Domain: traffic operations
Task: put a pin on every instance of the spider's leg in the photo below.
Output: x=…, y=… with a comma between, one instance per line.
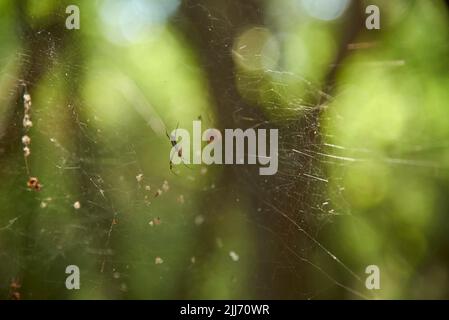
x=171, y=164
x=186, y=165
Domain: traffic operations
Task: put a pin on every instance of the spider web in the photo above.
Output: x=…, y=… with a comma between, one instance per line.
x=135, y=228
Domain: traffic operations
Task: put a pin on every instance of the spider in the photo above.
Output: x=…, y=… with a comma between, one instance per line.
x=172, y=140
x=173, y=143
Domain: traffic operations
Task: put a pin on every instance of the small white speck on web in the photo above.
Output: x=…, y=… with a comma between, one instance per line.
x=77, y=205
x=26, y=151
x=199, y=219
x=234, y=256
x=155, y=222
x=139, y=177
x=158, y=260
x=165, y=186
x=26, y=140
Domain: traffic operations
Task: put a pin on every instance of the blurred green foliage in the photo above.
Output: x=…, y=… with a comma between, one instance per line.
x=104, y=96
